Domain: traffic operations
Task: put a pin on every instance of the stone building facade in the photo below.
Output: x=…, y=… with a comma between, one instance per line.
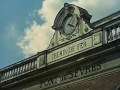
x=81, y=56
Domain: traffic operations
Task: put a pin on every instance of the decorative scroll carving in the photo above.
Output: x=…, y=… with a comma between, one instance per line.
x=71, y=22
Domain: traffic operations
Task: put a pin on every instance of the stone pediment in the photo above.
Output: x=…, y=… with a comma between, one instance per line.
x=71, y=22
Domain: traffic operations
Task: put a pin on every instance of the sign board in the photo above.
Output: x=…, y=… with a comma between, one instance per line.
x=78, y=72
x=78, y=46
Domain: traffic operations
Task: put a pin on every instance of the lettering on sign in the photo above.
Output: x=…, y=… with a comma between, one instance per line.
x=71, y=49
x=79, y=71
x=78, y=46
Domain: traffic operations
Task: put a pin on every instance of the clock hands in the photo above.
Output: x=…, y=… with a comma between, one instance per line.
x=71, y=25
x=72, y=22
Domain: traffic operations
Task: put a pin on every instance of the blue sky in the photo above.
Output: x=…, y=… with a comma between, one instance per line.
x=25, y=25
x=13, y=15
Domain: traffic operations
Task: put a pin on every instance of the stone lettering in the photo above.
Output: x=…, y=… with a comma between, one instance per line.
x=79, y=71
x=81, y=45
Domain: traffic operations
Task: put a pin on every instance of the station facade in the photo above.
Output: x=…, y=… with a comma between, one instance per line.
x=81, y=56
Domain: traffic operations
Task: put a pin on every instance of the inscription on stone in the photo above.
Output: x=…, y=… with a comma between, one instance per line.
x=77, y=72
x=70, y=49
x=78, y=46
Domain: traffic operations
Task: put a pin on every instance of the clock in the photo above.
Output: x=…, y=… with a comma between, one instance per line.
x=69, y=25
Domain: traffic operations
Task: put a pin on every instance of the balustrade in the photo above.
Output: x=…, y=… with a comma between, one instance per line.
x=18, y=69
x=21, y=68
x=113, y=33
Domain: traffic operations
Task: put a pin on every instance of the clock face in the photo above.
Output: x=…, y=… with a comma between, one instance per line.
x=70, y=25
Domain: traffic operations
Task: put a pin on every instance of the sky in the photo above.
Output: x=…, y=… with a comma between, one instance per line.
x=25, y=25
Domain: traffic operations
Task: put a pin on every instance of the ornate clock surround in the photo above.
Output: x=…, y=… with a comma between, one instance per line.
x=69, y=10
x=66, y=12
x=65, y=31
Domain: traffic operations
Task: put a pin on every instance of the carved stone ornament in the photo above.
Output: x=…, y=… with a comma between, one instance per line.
x=71, y=22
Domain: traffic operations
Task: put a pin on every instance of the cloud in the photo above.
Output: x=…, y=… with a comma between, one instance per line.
x=35, y=39
x=98, y=8
x=38, y=36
